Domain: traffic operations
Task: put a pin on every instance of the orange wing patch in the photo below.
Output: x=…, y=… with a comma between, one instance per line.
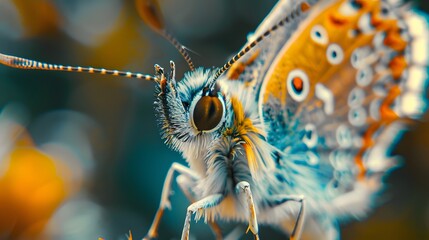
x=348, y=29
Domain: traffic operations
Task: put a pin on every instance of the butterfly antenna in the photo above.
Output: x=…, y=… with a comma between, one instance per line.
x=150, y=13
x=302, y=8
x=22, y=63
x=181, y=48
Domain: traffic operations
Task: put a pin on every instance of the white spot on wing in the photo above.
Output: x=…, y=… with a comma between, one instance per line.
x=418, y=29
x=356, y=97
x=319, y=35
x=305, y=85
x=412, y=105
x=357, y=116
x=312, y=140
x=312, y=158
x=378, y=40
x=347, y=9
x=364, y=24
x=344, y=136
x=416, y=25
x=419, y=51
x=359, y=57
x=334, y=54
x=324, y=94
x=364, y=76
x=417, y=79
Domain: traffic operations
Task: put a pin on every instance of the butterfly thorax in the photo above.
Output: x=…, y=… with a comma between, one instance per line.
x=235, y=151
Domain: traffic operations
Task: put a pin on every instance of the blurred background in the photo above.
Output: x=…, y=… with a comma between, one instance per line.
x=97, y=163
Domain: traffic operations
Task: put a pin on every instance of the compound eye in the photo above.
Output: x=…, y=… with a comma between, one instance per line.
x=208, y=113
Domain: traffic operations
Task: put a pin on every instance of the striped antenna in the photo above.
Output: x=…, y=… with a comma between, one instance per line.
x=181, y=48
x=150, y=12
x=22, y=63
x=302, y=8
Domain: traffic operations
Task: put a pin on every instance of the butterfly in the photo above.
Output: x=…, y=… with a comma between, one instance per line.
x=296, y=130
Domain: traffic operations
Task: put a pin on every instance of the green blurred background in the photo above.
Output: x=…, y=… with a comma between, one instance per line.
x=123, y=160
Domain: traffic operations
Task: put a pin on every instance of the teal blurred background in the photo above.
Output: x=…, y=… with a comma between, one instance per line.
x=123, y=160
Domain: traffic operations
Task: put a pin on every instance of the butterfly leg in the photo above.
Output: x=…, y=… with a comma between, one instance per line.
x=165, y=197
x=186, y=185
x=198, y=208
x=283, y=201
x=245, y=195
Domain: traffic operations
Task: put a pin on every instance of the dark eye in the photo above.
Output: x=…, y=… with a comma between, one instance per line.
x=208, y=113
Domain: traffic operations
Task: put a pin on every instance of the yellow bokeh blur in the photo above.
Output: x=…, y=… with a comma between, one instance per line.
x=38, y=17
x=31, y=190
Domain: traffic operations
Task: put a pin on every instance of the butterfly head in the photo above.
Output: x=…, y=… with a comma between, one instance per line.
x=199, y=118
x=189, y=109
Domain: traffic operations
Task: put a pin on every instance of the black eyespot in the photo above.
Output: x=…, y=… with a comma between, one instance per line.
x=356, y=4
x=335, y=54
x=318, y=34
x=207, y=113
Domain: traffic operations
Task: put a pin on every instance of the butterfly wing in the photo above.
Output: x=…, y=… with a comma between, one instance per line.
x=338, y=94
x=251, y=68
